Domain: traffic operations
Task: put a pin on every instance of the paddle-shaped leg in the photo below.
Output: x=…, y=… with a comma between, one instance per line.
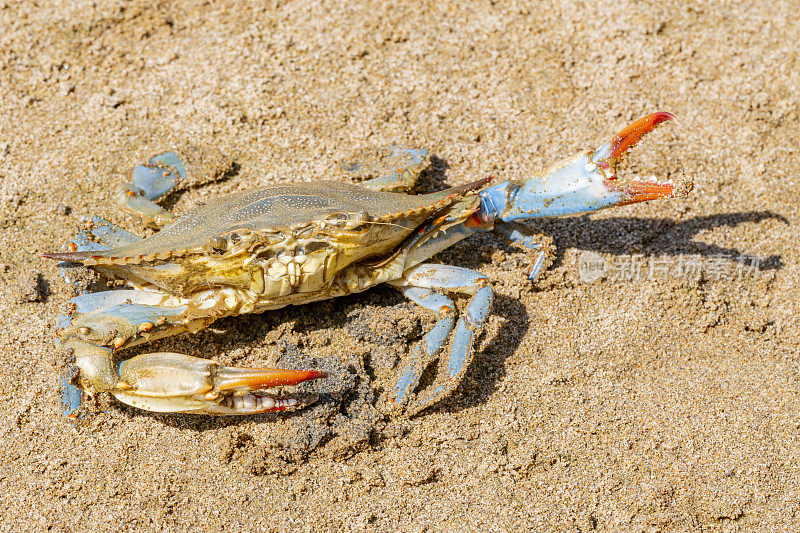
x=394, y=168
x=149, y=182
x=422, y=284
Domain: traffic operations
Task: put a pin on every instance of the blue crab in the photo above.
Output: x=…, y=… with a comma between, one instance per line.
x=298, y=243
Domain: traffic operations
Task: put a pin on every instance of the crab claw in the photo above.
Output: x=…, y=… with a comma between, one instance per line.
x=622, y=142
x=615, y=150
x=173, y=382
x=585, y=182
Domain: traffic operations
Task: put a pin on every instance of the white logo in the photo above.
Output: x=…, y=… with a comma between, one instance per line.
x=591, y=267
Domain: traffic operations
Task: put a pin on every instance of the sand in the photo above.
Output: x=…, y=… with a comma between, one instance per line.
x=663, y=396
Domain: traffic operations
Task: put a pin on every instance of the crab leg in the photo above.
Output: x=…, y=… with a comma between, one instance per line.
x=586, y=182
x=79, y=243
x=164, y=382
x=435, y=278
x=427, y=350
x=396, y=168
x=516, y=234
x=92, y=301
x=99, y=362
x=110, y=234
x=105, y=321
x=174, y=382
x=149, y=182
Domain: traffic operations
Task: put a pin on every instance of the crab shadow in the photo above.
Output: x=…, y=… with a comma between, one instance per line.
x=433, y=178
x=619, y=236
x=655, y=236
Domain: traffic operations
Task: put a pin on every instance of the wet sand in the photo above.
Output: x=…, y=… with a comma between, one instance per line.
x=663, y=396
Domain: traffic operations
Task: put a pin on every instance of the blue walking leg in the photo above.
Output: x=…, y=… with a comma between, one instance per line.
x=431, y=344
x=394, y=168
x=71, y=394
x=514, y=233
x=111, y=235
x=449, y=278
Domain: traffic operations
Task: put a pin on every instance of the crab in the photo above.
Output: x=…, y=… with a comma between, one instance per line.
x=296, y=243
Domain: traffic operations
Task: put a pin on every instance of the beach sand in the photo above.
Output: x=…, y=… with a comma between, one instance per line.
x=662, y=397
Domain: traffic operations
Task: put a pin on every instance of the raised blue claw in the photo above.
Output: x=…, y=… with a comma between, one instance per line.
x=583, y=183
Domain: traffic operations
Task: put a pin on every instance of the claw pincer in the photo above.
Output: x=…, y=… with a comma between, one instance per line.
x=178, y=382
x=298, y=243
x=585, y=182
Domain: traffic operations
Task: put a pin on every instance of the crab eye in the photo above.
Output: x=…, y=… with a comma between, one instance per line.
x=234, y=239
x=219, y=244
x=357, y=222
x=360, y=218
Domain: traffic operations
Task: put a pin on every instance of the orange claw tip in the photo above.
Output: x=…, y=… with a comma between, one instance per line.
x=246, y=379
x=643, y=191
x=633, y=133
x=312, y=374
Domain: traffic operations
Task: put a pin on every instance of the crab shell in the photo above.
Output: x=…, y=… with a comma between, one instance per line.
x=281, y=245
